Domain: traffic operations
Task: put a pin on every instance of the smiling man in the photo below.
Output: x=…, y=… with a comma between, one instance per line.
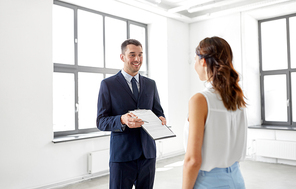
x=132, y=150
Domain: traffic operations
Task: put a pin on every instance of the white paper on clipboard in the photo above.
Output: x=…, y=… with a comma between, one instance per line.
x=152, y=125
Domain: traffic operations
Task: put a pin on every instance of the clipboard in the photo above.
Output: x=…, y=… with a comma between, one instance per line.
x=152, y=125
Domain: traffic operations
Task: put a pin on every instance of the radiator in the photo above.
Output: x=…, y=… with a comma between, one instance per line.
x=276, y=149
x=98, y=161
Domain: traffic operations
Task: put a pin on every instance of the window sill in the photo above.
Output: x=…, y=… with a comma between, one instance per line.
x=75, y=137
x=273, y=127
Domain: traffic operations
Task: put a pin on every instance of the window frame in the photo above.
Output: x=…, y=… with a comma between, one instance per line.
x=286, y=72
x=75, y=69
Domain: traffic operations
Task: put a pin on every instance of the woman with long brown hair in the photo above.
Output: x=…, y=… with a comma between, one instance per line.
x=217, y=128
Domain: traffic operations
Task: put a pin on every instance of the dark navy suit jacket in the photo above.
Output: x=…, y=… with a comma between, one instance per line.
x=115, y=99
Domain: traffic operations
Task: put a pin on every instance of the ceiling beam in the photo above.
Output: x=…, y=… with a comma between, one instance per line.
x=187, y=5
x=156, y=10
x=212, y=5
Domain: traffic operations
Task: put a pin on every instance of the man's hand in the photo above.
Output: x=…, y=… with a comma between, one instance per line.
x=163, y=120
x=131, y=120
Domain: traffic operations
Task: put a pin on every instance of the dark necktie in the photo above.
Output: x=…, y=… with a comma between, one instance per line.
x=135, y=88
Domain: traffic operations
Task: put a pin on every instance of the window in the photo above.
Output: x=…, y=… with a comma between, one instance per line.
x=278, y=70
x=86, y=49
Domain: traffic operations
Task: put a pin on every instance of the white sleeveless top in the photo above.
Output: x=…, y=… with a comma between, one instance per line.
x=225, y=133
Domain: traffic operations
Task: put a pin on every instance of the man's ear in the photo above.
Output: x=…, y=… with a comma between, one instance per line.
x=122, y=57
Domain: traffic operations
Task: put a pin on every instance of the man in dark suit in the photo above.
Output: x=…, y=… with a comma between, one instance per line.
x=132, y=150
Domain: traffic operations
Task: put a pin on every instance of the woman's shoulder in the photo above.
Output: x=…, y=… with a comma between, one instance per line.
x=198, y=98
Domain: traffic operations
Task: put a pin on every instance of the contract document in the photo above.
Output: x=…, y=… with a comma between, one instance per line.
x=152, y=125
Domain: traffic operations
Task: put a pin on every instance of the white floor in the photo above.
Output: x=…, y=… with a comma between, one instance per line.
x=257, y=175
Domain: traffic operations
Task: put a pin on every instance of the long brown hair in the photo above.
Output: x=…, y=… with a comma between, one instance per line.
x=224, y=78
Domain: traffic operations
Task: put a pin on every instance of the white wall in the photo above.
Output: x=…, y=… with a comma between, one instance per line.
x=26, y=93
x=251, y=73
x=28, y=158
x=178, y=85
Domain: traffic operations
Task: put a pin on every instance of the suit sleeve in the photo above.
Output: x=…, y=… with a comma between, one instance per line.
x=157, y=109
x=105, y=120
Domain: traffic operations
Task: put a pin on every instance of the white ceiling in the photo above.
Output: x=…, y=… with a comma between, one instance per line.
x=196, y=10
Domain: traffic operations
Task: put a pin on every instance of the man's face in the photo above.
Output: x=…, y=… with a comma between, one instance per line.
x=132, y=58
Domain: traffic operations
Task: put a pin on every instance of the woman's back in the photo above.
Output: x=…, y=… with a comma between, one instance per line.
x=225, y=133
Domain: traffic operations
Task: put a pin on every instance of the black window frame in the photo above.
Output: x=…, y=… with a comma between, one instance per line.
x=75, y=69
x=286, y=72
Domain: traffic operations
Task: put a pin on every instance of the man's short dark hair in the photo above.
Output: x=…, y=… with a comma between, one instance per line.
x=129, y=42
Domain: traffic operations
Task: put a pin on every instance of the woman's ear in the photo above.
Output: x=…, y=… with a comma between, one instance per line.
x=203, y=62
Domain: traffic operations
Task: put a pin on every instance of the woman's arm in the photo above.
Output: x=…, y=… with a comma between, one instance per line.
x=198, y=110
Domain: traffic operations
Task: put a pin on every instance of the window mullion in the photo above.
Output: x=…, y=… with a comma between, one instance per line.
x=104, y=43
x=76, y=104
x=289, y=82
x=289, y=96
x=288, y=43
x=291, y=100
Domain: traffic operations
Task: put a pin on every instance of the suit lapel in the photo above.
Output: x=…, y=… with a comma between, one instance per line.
x=124, y=84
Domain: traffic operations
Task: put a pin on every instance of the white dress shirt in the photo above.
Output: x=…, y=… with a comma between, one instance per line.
x=129, y=78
